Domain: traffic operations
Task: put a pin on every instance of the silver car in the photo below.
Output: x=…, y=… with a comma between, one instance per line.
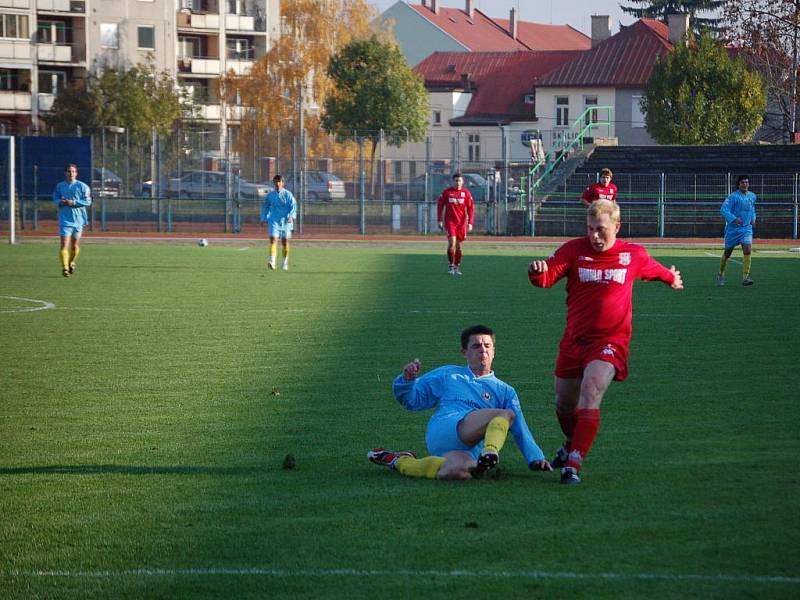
x=211, y=184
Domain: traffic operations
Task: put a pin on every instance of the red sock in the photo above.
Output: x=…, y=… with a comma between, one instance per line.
x=587, y=423
x=567, y=422
x=458, y=257
x=451, y=256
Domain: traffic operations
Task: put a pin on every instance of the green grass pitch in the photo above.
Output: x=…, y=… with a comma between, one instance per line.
x=145, y=417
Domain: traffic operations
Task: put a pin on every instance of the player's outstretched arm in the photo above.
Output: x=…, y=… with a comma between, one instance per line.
x=540, y=465
x=411, y=370
x=678, y=283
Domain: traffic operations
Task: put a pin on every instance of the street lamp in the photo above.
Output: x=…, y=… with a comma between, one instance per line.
x=115, y=129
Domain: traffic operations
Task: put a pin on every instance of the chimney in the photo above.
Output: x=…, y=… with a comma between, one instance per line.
x=512, y=23
x=470, y=9
x=435, y=6
x=601, y=28
x=678, y=27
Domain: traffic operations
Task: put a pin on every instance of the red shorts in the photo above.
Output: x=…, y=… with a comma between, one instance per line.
x=456, y=230
x=573, y=356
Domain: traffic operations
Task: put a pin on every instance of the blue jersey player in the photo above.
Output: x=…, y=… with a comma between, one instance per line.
x=739, y=211
x=71, y=197
x=278, y=212
x=474, y=413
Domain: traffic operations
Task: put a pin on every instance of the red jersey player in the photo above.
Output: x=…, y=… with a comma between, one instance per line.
x=605, y=190
x=600, y=271
x=459, y=213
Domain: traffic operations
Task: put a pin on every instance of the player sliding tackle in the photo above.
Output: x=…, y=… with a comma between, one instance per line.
x=600, y=271
x=474, y=413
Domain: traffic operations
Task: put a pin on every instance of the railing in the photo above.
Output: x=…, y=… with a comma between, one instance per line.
x=569, y=141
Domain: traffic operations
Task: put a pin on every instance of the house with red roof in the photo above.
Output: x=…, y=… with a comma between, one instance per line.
x=422, y=29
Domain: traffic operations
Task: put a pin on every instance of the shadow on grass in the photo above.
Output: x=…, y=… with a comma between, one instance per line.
x=130, y=470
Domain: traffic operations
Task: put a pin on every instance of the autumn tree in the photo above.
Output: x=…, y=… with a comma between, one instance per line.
x=698, y=95
x=767, y=32
x=660, y=9
x=292, y=76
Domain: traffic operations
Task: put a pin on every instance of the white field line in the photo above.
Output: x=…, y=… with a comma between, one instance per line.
x=361, y=573
x=42, y=305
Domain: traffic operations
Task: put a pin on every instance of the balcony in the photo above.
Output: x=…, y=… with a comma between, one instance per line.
x=54, y=53
x=54, y=5
x=46, y=102
x=240, y=67
x=15, y=100
x=16, y=49
x=198, y=66
x=15, y=4
x=240, y=23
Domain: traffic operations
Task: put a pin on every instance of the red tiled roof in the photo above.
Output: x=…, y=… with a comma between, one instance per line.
x=538, y=36
x=513, y=73
x=481, y=33
x=623, y=60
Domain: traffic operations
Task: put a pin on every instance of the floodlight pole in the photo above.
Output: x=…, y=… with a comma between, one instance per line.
x=12, y=208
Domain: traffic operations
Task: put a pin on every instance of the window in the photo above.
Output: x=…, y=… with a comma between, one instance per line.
x=437, y=118
x=13, y=80
x=637, y=114
x=146, y=37
x=239, y=48
x=530, y=99
x=14, y=26
x=562, y=111
x=51, y=32
x=591, y=116
x=52, y=82
x=236, y=7
x=412, y=169
x=474, y=147
x=109, y=35
x=398, y=170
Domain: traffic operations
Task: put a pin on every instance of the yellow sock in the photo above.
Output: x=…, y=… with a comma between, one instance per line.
x=426, y=467
x=722, y=264
x=273, y=248
x=286, y=252
x=496, y=432
x=74, y=254
x=746, y=265
x=64, y=254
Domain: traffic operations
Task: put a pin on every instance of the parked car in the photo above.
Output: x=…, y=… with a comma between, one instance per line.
x=211, y=184
x=320, y=185
x=105, y=183
x=437, y=182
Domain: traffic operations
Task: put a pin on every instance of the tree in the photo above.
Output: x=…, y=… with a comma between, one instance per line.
x=698, y=95
x=291, y=78
x=375, y=90
x=660, y=9
x=767, y=31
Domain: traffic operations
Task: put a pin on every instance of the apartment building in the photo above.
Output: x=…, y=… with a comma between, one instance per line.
x=46, y=44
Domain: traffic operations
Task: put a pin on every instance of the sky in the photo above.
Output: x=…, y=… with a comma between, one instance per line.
x=557, y=12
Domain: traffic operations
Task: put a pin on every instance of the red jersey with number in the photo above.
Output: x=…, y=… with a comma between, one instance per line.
x=598, y=191
x=600, y=287
x=456, y=206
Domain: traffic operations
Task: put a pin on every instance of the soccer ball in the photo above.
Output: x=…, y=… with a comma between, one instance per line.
x=203, y=243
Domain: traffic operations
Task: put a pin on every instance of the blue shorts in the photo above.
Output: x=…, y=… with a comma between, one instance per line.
x=738, y=235
x=279, y=231
x=70, y=231
x=442, y=435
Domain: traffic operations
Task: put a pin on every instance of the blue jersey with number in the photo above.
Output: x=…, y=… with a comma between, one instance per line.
x=72, y=216
x=458, y=391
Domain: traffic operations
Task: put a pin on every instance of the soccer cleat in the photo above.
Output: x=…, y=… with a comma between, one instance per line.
x=451, y=269
x=747, y=281
x=560, y=459
x=271, y=265
x=569, y=476
x=65, y=272
x=457, y=270
x=486, y=461
x=285, y=265
x=71, y=268
x=387, y=458
x=720, y=279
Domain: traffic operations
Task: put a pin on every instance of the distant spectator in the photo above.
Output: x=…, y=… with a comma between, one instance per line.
x=71, y=197
x=739, y=210
x=604, y=190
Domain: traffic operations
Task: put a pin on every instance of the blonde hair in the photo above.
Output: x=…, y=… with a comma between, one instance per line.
x=606, y=171
x=604, y=207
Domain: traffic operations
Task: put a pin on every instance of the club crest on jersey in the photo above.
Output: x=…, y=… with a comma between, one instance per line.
x=624, y=258
x=608, y=350
x=487, y=396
